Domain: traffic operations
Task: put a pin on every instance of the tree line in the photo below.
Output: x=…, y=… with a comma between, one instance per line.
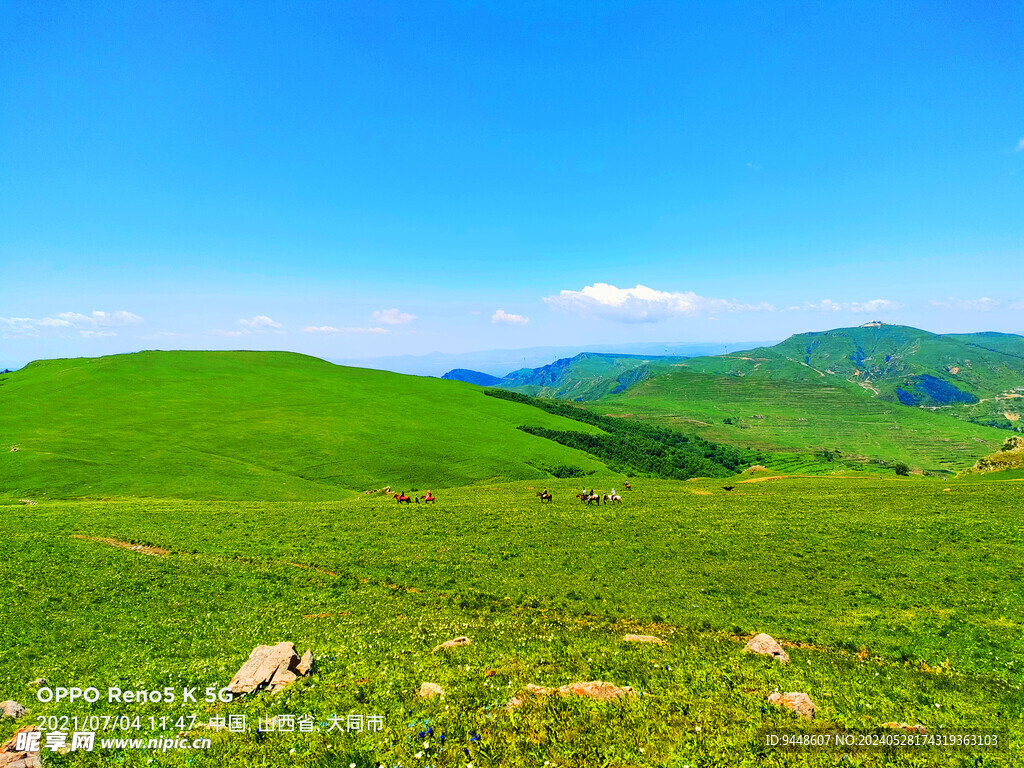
x=634, y=447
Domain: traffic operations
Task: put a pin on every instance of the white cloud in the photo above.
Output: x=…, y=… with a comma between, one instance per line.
x=1016, y=305
x=320, y=329
x=332, y=329
x=260, y=323
x=501, y=316
x=1020, y=146
x=827, y=305
x=96, y=319
x=642, y=304
x=392, y=317
x=66, y=323
x=983, y=304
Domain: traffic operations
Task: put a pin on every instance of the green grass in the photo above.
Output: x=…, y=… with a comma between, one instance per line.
x=884, y=358
x=267, y=425
x=804, y=417
x=260, y=459
x=823, y=390
x=926, y=579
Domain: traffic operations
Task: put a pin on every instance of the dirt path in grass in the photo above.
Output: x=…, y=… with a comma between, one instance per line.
x=143, y=548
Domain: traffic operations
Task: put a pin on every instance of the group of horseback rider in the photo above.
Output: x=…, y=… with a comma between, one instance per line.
x=589, y=497
x=403, y=498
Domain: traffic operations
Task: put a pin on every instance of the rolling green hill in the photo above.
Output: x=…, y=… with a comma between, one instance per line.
x=269, y=425
x=811, y=416
x=876, y=392
x=892, y=362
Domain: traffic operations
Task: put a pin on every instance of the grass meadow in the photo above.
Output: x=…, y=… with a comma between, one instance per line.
x=256, y=425
x=805, y=416
x=898, y=601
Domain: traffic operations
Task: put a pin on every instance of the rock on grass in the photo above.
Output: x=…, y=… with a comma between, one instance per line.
x=766, y=645
x=11, y=709
x=430, y=690
x=453, y=643
x=644, y=639
x=797, y=702
x=270, y=666
x=11, y=757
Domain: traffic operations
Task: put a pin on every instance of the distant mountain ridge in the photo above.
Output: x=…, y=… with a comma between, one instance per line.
x=472, y=377
x=896, y=363
x=587, y=376
x=875, y=391
x=499, y=362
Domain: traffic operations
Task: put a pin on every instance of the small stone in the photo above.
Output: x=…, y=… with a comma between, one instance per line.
x=430, y=690
x=11, y=757
x=453, y=643
x=306, y=664
x=11, y=709
x=38, y=682
x=766, y=645
x=798, y=702
x=644, y=639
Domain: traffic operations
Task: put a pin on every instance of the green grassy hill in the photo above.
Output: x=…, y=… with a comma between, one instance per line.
x=893, y=362
x=269, y=425
x=873, y=393
x=809, y=416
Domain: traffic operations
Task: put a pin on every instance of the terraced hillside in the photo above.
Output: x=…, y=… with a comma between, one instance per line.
x=268, y=425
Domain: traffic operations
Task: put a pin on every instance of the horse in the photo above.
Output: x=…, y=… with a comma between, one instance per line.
x=403, y=499
x=613, y=498
x=587, y=498
x=628, y=487
x=544, y=496
x=430, y=497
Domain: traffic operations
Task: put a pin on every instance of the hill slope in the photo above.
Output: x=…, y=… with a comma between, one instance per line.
x=587, y=376
x=271, y=425
x=816, y=415
x=893, y=362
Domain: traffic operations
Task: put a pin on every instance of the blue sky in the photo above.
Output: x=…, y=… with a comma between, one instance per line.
x=362, y=179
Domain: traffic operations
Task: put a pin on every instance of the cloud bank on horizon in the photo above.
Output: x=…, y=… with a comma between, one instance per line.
x=642, y=304
x=647, y=305
x=598, y=306
x=96, y=324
